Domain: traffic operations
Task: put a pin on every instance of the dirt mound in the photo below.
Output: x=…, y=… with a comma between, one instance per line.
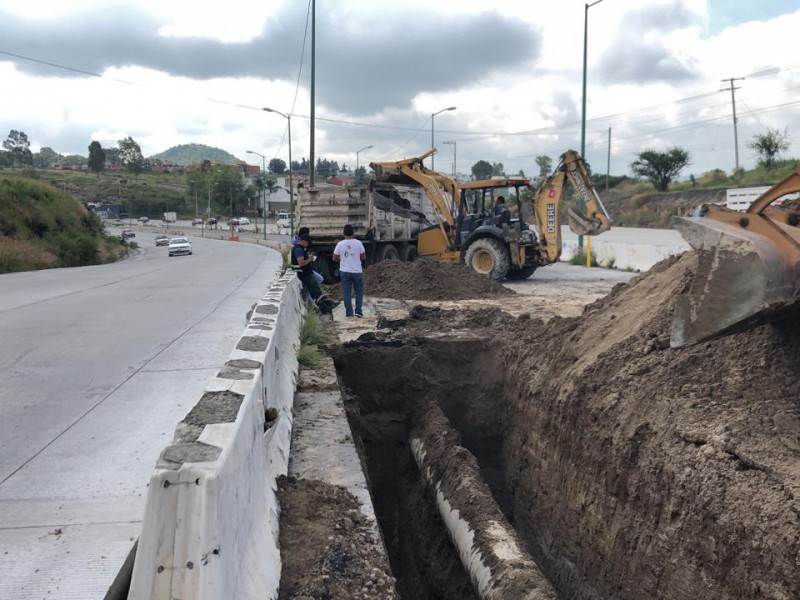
x=429, y=281
x=668, y=473
x=332, y=549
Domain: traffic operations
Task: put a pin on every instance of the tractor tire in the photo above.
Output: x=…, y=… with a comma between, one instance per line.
x=387, y=252
x=520, y=274
x=488, y=256
x=408, y=253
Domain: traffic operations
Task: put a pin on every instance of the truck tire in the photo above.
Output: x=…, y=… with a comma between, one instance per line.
x=488, y=256
x=520, y=274
x=408, y=253
x=327, y=268
x=387, y=252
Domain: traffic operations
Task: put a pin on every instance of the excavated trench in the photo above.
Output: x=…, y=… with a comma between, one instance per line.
x=390, y=391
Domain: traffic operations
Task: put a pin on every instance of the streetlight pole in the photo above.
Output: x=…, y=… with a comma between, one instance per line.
x=453, y=144
x=583, y=103
x=291, y=182
x=359, y=152
x=263, y=189
x=433, y=143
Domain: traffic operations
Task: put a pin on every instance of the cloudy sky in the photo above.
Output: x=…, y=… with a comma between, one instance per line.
x=196, y=71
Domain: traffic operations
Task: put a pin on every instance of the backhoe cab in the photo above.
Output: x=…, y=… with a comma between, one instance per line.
x=500, y=245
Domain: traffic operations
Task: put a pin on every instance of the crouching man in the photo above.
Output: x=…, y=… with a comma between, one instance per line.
x=302, y=263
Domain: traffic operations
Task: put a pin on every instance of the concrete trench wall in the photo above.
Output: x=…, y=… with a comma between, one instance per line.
x=211, y=520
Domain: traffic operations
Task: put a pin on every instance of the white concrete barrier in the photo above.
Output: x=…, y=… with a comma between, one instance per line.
x=210, y=527
x=627, y=247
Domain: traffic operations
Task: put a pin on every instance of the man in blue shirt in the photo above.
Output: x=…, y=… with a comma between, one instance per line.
x=303, y=260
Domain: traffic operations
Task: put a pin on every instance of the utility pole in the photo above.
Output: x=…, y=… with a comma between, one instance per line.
x=453, y=144
x=313, y=101
x=608, y=162
x=733, y=89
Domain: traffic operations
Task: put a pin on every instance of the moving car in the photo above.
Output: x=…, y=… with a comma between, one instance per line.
x=179, y=245
x=162, y=240
x=128, y=233
x=243, y=221
x=284, y=219
x=197, y=222
x=118, y=223
x=144, y=220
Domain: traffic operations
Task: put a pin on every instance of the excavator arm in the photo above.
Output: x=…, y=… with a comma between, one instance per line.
x=594, y=220
x=748, y=269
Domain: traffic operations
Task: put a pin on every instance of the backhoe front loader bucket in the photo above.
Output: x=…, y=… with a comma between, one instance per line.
x=748, y=270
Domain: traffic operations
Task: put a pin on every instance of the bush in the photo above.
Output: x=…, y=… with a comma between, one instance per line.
x=309, y=356
x=312, y=332
x=579, y=258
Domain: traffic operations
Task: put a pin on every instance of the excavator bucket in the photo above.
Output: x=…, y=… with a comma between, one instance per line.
x=748, y=270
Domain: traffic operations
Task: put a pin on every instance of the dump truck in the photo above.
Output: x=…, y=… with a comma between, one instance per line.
x=410, y=212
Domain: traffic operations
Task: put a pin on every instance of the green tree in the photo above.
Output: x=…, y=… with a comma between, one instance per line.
x=545, y=164
x=46, y=157
x=482, y=170
x=498, y=170
x=277, y=166
x=18, y=148
x=130, y=155
x=660, y=167
x=97, y=158
x=769, y=146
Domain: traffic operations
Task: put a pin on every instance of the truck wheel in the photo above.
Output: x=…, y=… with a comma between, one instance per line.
x=388, y=252
x=488, y=256
x=520, y=274
x=326, y=268
x=409, y=253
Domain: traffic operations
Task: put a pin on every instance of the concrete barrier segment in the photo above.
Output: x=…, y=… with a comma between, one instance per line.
x=210, y=528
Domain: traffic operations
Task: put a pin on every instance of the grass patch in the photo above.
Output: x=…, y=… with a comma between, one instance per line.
x=579, y=258
x=309, y=356
x=312, y=332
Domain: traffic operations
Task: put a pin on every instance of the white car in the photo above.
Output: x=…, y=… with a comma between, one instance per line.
x=284, y=219
x=179, y=245
x=243, y=221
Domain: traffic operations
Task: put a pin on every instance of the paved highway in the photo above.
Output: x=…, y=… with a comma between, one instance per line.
x=98, y=364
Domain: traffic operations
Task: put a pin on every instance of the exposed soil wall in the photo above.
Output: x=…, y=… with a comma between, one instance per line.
x=657, y=473
x=630, y=470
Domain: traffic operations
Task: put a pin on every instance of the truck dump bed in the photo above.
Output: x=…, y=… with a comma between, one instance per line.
x=385, y=212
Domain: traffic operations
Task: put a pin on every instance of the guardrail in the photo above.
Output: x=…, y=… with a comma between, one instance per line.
x=210, y=528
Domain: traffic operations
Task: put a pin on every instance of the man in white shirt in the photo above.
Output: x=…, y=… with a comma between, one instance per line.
x=349, y=253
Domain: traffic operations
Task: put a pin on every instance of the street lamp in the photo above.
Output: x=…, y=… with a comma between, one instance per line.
x=263, y=188
x=291, y=182
x=453, y=144
x=433, y=144
x=583, y=107
x=359, y=152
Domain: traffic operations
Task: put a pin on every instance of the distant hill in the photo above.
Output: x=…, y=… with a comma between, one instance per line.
x=192, y=154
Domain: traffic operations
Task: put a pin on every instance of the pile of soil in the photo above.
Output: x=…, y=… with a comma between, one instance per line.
x=328, y=549
x=429, y=281
x=660, y=473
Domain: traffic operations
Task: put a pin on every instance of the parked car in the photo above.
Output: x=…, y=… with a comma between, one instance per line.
x=284, y=219
x=128, y=233
x=162, y=240
x=179, y=245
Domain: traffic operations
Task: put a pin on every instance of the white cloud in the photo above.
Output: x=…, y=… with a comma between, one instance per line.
x=511, y=69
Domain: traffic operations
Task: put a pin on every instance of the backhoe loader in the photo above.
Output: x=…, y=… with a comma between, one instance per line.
x=468, y=230
x=748, y=269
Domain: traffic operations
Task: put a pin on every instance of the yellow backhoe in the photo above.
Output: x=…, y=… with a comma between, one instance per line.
x=500, y=245
x=748, y=266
